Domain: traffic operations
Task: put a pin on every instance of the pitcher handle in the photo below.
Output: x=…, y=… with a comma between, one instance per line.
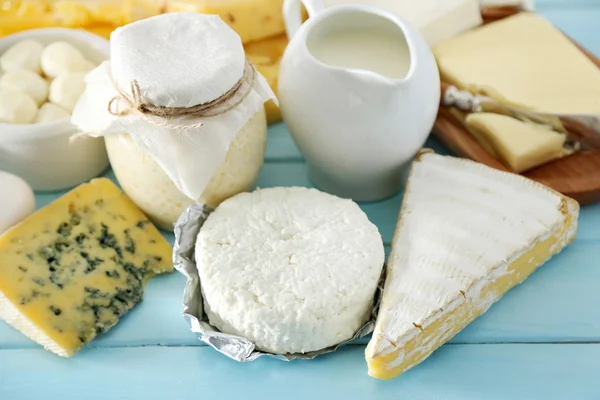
x=292, y=13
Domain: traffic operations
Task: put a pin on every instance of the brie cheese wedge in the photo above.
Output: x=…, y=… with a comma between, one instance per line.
x=467, y=234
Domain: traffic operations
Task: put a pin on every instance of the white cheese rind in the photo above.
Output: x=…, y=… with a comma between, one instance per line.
x=293, y=270
x=461, y=226
x=12, y=316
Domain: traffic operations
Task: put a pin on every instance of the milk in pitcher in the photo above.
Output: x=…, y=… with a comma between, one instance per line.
x=379, y=51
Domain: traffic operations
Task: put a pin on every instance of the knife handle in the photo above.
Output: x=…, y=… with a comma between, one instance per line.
x=444, y=89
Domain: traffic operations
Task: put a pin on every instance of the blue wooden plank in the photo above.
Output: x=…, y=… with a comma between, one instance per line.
x=543, y=5
x=535, y=314
x=280, y=146
x=557, y=304
x=455, y=372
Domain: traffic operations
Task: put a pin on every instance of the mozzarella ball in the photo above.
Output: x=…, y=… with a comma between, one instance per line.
x=25, y=54
x=88, y=66
x=66, y=89
x=16, y=107
x=29, y=82
x=51, y=112
x=61, y=58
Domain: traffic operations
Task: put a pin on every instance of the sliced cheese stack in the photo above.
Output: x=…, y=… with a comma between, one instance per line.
x=466, y=234
x=523, y=61
x=74, y=268
x=519, y=145
x=252, y=19
x=266, y=56
x=100, y=17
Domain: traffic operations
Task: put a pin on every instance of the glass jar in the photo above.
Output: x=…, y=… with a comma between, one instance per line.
x=142, y=179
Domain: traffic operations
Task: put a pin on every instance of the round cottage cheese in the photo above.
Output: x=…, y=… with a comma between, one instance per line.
x=293, y=270
x=155, y=193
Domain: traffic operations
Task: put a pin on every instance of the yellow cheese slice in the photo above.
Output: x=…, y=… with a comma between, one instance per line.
x=519, y=145
x=74, y=268
x=481, y=139
x=466, y=235
x=523, y=61
x=251, y=19
x=266, y=56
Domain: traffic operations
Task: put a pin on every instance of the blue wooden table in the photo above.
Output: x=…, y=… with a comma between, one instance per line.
x=541, y=341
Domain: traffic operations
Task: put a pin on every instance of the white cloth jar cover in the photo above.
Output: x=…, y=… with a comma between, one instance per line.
x=177, y=60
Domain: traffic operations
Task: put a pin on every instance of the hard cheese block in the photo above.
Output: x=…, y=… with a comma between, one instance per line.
x=251, y=19
x=520, y=145
x=74, y=268
x=523, y=61
x=466, y=234
x=437, y=20
x=266, y=56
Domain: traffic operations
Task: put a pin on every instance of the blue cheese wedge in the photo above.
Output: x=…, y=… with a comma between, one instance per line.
x=74, y=268
x=293, y=270
x=466, y=235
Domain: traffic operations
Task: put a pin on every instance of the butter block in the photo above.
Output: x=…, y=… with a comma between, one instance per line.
x=437, y=20
x=528, y=5
x=520, y=145
x=522, y=61
x=466, y=235
x=252, y=19
x=73, y=269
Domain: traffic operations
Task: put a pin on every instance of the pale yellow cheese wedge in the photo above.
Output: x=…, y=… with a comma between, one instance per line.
x=466, y=235
x=252, y=19
x=519, y=145
x=74, y=268
x=523, y=61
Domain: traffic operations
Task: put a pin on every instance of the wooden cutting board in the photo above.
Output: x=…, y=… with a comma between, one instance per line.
x=577, y=176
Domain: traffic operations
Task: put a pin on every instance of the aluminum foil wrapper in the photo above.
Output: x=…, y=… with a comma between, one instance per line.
x=238, y=348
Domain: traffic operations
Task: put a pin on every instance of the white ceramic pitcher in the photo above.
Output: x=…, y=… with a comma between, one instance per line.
x=357, y=128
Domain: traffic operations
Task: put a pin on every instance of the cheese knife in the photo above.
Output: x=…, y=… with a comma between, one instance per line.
x=467, y=101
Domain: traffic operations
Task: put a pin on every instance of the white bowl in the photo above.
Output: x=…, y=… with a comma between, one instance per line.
x=42, y=154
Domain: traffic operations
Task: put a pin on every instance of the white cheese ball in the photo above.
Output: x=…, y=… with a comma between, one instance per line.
x=61, y=58
x=16, y=107
x=293, y=270
x=29, y=82
x=17, y=201
x=49, y=112
x=66, y=90
x=88, y=66
x=25, y=54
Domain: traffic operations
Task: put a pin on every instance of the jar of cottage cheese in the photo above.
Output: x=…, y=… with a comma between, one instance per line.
x=181, y=110
x=155, y=193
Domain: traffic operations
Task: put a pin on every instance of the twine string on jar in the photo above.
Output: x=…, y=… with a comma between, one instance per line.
x=212, y=108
